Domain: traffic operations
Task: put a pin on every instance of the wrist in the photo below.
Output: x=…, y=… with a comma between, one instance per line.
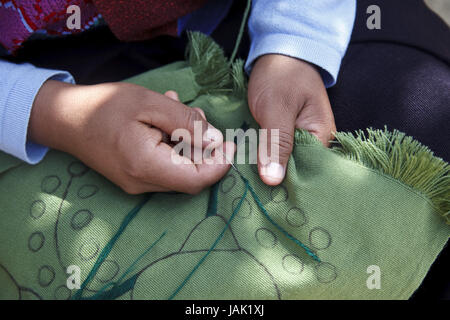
x=54, y=116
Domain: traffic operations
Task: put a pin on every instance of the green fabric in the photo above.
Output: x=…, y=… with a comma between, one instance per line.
x=60, y=213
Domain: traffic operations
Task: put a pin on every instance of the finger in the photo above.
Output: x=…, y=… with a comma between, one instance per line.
x=276, y=143
x=202, y=113
x=178, y=173
x=172, y=95
x=180, y=120
x=317, y=118
x=213, y=145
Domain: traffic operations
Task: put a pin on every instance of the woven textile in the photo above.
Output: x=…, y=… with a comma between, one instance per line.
x=219, y=244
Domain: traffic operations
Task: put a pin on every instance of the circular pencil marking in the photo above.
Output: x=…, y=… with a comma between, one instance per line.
x=325, y=272
x=77, y=169
x=87, y=191
x=50, y=184
x=319, y=238
x=62, y=293
x=296, y=218
x=279, y=194
x=245, y=211
x=81, y=219
x=89, y=250
x=37, y=209
x=36, y=241
x=265, y=238
x=107, y=271
x=292, y=264
x=228, y=183
x=46, y=275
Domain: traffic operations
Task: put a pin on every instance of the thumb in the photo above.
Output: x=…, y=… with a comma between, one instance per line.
x=275, y=145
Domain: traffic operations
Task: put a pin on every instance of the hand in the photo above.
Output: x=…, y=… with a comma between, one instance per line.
x=119, y=130
x=286, y=93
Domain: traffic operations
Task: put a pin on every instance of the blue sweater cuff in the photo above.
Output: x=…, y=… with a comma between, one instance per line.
x=21, y=92
x=326, y=58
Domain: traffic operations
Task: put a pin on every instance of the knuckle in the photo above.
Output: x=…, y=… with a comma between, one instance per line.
x=285, y=141
x=191, y=116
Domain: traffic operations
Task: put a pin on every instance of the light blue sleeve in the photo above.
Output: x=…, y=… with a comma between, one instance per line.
x=317, y=31
x=19, y=85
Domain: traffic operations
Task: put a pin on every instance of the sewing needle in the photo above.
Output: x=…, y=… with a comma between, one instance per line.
x=231, y=162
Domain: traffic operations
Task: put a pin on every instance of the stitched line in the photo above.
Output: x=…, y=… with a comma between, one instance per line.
x=248, y=187
x=286, y=234
x=213, y=246
x=107, y=249
x=119, y=288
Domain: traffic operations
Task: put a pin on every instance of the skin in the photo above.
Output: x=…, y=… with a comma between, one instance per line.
x=285, y=93
x=122, y=130
x=118, y=130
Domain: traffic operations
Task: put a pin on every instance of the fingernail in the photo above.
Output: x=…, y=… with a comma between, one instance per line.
x=229, y=151
x=273, y=172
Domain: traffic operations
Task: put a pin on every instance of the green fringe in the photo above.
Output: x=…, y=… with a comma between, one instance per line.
x=213, y=71
x=401, y=157
x=303, y=137
x=239, y=78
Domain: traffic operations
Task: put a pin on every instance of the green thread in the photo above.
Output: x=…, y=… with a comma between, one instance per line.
x=213, y=199
x=248, y=187
x=107, y=249
x=241, y=31
x=402, y=158
x=213, y=246
x=133, y=265
x=120, y=288
x=115, y=291
x=286, y=234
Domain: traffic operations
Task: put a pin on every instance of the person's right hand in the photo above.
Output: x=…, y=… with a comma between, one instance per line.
x=118, y=130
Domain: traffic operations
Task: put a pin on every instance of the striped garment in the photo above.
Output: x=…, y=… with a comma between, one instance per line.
x=128, y=20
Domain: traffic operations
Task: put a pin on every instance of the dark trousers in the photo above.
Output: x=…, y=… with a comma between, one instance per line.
x=397, y=76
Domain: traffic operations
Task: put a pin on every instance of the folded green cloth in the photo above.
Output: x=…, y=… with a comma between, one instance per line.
x=376, y=201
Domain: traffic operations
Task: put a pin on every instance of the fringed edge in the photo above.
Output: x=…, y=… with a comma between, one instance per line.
x=401, y=157
x=213, y=72
x=239, y=79
x=303, y=137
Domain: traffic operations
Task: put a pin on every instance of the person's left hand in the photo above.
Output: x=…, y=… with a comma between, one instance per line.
x=285, y=93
